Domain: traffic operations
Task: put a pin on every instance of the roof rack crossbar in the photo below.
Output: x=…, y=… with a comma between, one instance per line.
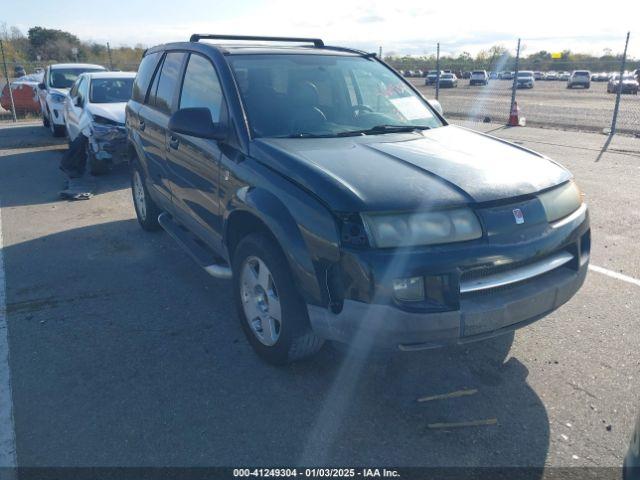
x=351, y=50
x=318, y=43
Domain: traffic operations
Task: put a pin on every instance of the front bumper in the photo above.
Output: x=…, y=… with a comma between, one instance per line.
x=374, y=320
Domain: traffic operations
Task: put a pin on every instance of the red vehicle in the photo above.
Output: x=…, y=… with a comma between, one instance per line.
x=24, y=95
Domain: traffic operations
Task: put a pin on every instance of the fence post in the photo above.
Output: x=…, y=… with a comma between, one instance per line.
x=515, y=79
x=438, y=71
x=110, y=59
x=614, y=120
x=6, y=74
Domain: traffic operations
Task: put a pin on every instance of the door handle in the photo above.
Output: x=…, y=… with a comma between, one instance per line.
x=142, y=125
x=174, y=142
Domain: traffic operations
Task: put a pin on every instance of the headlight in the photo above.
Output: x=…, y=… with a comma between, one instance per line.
x=57, y=98
x=561, y=201
x=427, y=228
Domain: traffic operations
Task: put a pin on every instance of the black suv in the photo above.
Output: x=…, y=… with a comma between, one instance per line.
x=341, y=203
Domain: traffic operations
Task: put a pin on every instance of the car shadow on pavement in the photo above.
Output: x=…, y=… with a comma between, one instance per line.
x=125, y=353
x=26, y=136
x=33, y=178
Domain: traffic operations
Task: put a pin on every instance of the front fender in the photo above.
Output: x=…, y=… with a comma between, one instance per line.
x=304, y=228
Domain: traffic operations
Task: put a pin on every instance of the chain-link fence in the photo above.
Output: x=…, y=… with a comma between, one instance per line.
x=546, y=90
x=553, y=99
x=21, y=102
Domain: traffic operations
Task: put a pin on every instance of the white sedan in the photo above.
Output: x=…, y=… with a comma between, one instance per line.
x=95, y=109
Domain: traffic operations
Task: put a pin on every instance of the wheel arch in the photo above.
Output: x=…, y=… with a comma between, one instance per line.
x=258, y=210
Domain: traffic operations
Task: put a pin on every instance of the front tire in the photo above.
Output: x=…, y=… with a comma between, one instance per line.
x=146, y=209
x=56, y=130
x=272, y=313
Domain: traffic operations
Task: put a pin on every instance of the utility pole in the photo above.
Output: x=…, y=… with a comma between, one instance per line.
x=6, y=74
x=438, y=71
x=111, y=60
x=515, y=79
x=614, y=120
x=380, y=52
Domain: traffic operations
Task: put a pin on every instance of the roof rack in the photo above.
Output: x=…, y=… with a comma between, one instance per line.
x=351, y=50
x=318, y=43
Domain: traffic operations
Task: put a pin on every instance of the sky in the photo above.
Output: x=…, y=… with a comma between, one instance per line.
x=411, y=27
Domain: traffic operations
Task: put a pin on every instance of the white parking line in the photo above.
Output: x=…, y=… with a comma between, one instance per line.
x=616, y=275
x=7, y=432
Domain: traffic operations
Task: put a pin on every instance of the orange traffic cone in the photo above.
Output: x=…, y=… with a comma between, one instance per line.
x=515, y=120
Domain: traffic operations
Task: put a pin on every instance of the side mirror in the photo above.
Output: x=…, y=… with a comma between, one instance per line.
x=76, y=102
x=196, y=122
x=42, y=86
x=437, y=106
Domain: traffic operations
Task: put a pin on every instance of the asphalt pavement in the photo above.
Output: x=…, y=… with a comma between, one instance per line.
x=124, y=353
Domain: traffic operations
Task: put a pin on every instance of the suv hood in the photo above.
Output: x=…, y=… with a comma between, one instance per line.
x=445, y=166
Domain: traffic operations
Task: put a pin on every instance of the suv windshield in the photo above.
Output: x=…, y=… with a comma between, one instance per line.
x=325, y=95
x=64, y=77
x=111, y=90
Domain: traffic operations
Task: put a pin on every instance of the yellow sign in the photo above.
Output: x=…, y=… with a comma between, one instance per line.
x=556, y=55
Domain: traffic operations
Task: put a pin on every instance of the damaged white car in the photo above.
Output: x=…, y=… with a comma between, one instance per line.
x=96, y=109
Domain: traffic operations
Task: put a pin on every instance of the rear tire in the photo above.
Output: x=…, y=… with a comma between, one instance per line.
x=279, y=331
x=146, y=209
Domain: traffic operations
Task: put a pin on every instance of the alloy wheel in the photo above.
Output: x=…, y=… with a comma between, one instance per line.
x=260, y=301
x=139, y=196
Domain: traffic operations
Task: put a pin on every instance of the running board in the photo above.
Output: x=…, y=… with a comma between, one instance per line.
x=203, y=257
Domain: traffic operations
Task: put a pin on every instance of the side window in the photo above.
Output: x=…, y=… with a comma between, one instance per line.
x=168, y=82
x=143, y=78
x=83, y=90
x=74, y=90
x=201, y=87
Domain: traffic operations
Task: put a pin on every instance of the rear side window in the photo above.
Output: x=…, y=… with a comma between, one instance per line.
x=143, y=78
x=201, y=87
x=169, y=77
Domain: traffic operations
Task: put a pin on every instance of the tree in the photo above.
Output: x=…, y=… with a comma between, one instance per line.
x=51, y=44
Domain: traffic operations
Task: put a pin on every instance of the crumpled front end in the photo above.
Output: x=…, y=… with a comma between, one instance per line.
x=108, y=143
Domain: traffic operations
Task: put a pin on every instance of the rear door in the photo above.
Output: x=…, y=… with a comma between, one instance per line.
x=153, y=120
x=194, y=163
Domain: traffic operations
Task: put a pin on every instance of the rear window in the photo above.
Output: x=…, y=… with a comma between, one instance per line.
x=168, y=82
x=143, y=78
x=477, y=72
x=581, y=74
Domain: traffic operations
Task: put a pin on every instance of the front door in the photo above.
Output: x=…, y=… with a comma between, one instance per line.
x=194, y=163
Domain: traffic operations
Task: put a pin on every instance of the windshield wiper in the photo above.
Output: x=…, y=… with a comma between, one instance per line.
x=383, y=129
x=309, y=135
